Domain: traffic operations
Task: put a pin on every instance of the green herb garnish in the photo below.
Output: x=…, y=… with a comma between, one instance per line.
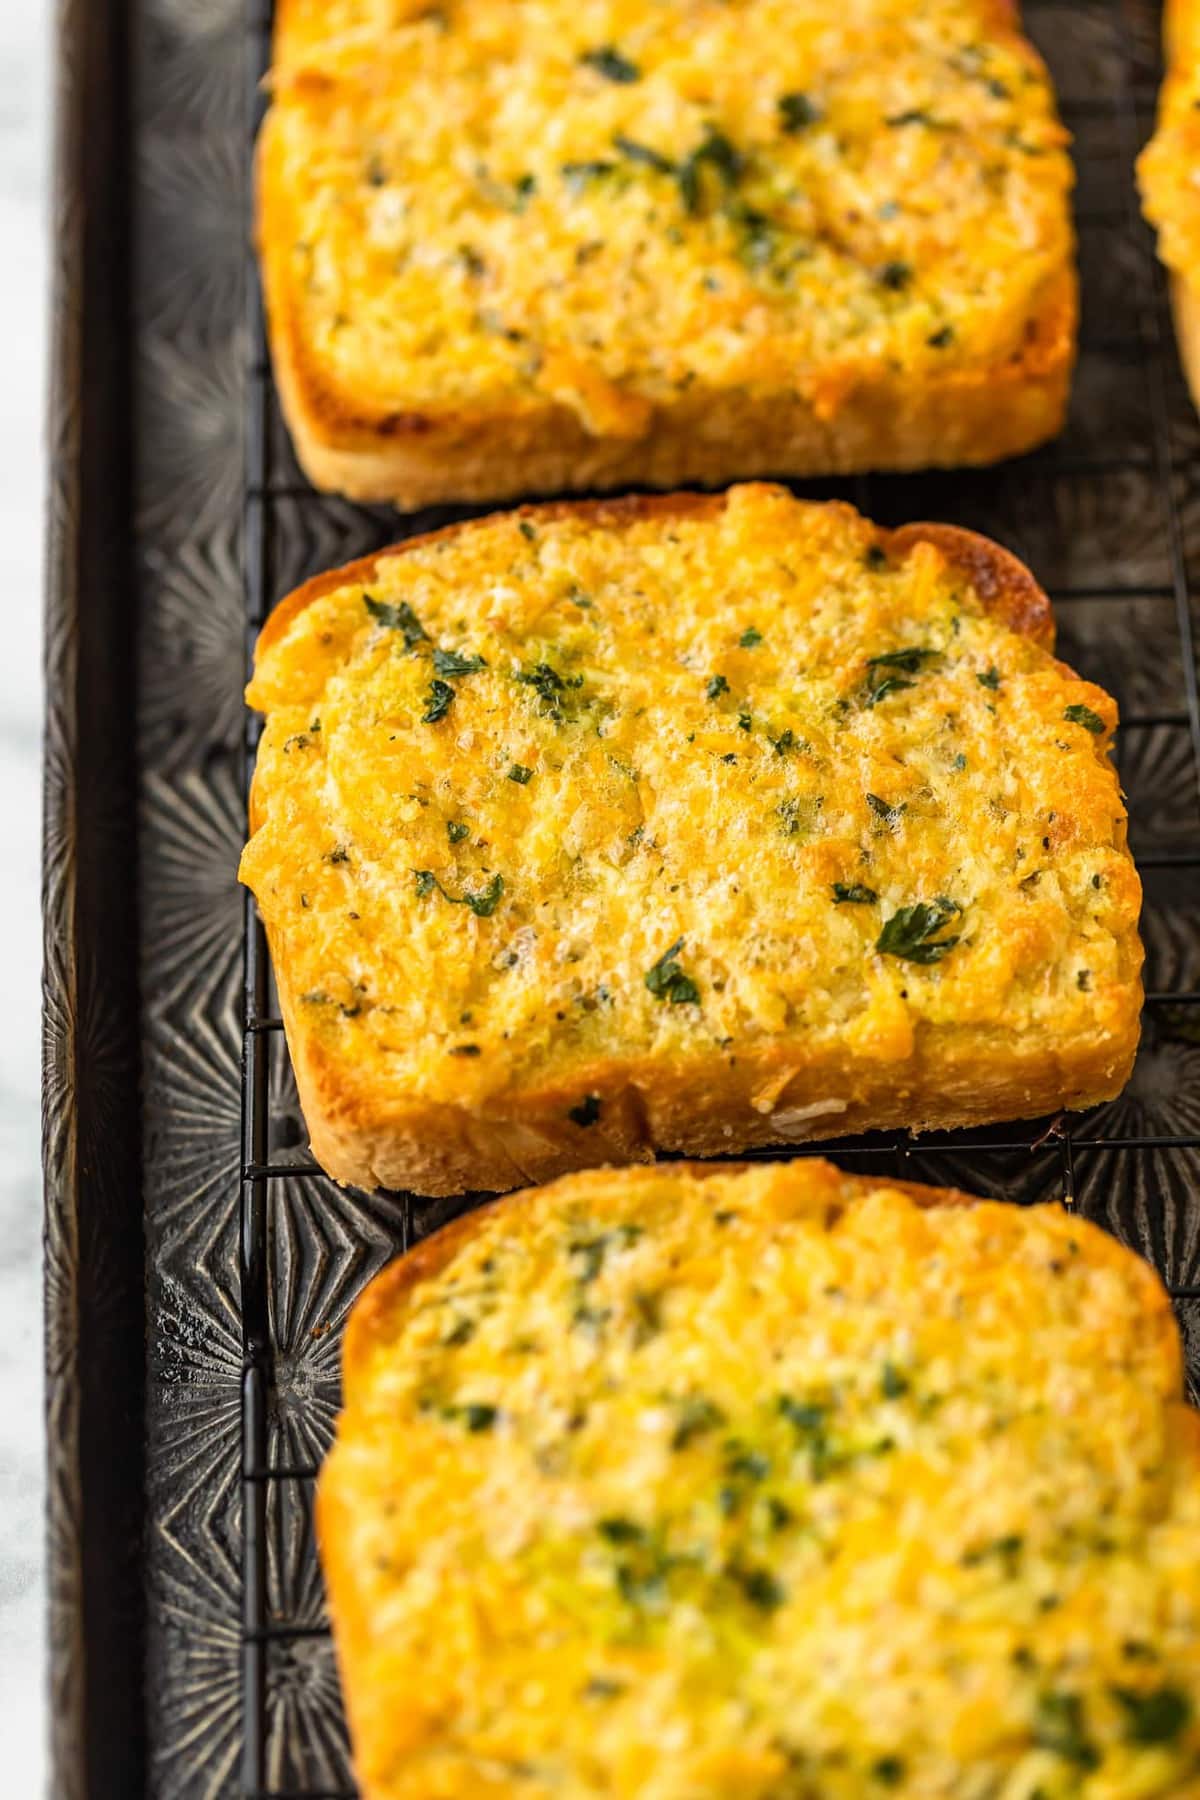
x=889, y=814
x=990, y=678
x=696, y=1417
x=759, y=1586
x=484, y=904
x=549, y=686
x=440, y=696
x=854, y=895
x=898, y=663
x=750, y=637
x=612, y=65
x=893, y=1382
x=456, y=831
x=452, y=662
x=578, y=174
x=667, y=981
x=895, y=276
x=909, y=933
x=1083, y=715
x=642, y=153
x=1158, y=1717
x=716, y=687
x=715, y=152
x=397, y=617
x=520, y=774
x=1059, y=1726
x=795, y=112
x=620, y=1531
x=939, y=339
x=890, y=1770
x=474, y=1414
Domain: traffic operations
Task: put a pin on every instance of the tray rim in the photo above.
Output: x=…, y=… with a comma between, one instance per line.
x=93, y=1359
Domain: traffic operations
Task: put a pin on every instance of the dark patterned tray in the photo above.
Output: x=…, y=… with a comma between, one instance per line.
x=199, y=1268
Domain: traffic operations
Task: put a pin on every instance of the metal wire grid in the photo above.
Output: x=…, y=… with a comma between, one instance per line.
x=1150, y=346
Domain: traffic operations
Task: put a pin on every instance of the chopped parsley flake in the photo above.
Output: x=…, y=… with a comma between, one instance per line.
x=716, y=687
x=452, y=662
x=895, y=276
x=853, y=895
x=520, y=774
x=715, y=152
x=483, y=904
x=910, y=932
x=696, y=1417
x=893, y=1382
x=795, y=112
x=897, y=664
x=667, y=981
x=612, y=65
x=620, y=1531
x=474, y=1414
x=578, y=174
x=990, y=678
x=750, y=637
x=889, y=814
x=440, y=696
x=549, y=686
x=1059, y=1726
x=397, y=617
x=1158, y=1717
x=1083, y=715
x=456, y=830
x=760, y=1587
x=642, y=153
x=890, y=1770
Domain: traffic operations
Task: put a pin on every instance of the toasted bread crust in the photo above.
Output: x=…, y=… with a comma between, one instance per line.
x=405, y=1506
x=383, y=1136
x=834, y=419
x=1166, y=169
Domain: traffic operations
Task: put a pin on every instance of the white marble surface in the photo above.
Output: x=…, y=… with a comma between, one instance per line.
x=24, y=157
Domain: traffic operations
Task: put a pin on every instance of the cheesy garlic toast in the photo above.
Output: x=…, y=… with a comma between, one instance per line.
x=693, y=823
x=518, y=246
x=699, y=1483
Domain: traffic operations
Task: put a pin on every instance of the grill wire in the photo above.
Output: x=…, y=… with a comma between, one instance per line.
x=1104, y=57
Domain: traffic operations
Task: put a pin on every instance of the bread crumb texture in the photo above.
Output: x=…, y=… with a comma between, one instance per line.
x=1169, y=166
x=479, y=210
x=769, y=1483
x=611, y=816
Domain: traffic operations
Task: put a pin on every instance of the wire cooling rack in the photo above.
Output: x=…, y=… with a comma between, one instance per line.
x=1109, y=520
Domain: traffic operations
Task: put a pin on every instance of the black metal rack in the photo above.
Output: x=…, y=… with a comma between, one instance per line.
x=1109, y=518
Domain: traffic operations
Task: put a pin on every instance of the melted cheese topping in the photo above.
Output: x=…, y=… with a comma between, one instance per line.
x=1169, y=166
x=745, y=733
x=602, y=203
x=769, y=1484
